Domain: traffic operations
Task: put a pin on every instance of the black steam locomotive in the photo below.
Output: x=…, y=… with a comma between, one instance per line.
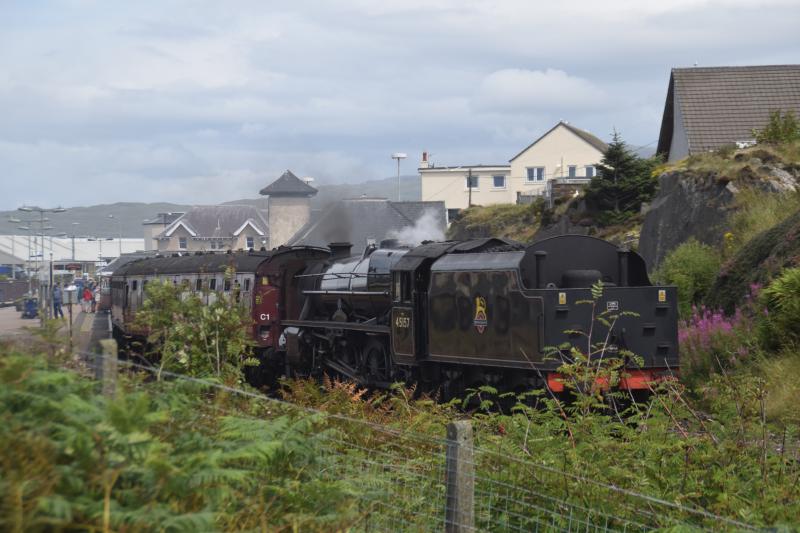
x=449, y=315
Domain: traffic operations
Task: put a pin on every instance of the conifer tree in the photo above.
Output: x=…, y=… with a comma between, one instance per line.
x=623, y=182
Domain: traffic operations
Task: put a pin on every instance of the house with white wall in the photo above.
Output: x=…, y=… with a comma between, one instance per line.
x=215, y=227
x=564, y=154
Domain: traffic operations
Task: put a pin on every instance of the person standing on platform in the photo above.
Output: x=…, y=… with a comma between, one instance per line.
x=86, y=301
x=57, y=295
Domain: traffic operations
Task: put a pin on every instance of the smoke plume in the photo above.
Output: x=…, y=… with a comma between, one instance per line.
x=428, y=227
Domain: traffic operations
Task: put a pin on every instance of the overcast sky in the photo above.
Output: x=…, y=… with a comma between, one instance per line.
x=201, y=102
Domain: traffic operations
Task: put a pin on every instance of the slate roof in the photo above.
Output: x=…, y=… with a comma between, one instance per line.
x=218, y=221
x=288, y=185
x=360, y=219
x=585, y=135
x=163, y=218
x=722, y=105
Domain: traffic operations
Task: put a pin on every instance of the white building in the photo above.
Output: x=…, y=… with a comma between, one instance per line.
x=563, y=153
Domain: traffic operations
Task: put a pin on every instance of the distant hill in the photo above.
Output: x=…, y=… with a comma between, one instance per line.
x=93, y=221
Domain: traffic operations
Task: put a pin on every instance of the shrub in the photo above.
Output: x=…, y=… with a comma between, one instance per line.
x=189, y=337
x=692, y=266
x=726, y=151
x=781, y=128
x=710, y=341
x=780, y=324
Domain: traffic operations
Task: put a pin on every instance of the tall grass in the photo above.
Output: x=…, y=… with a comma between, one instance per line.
x=757, y=212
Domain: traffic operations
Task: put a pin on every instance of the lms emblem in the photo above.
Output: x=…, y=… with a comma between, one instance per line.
x=481, y=320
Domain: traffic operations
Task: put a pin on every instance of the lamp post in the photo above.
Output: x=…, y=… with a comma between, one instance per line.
x=398, y=156
x=44, y=296
x=27, y=228
x=73, y=239
x=119, y=227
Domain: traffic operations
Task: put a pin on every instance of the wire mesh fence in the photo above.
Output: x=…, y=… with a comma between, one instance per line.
x=396, y=479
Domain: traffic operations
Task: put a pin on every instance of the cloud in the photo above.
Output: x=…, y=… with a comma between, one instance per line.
x=531, y=91
x=195, y=101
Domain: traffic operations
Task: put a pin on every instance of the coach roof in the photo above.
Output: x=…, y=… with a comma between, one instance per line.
x=241, y=262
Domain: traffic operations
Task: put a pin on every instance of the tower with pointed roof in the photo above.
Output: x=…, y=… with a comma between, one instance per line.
x=289, y=207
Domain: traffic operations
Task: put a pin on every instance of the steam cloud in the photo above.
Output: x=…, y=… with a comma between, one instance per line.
x=428, y=227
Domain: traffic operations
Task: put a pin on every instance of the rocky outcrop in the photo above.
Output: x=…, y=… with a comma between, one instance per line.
x=696, y=203
x=685, y=206
x=756, y=263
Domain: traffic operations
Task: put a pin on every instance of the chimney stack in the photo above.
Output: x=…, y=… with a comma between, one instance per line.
x=424, y=163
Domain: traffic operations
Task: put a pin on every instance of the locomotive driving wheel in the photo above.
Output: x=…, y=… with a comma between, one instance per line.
x=376, y=362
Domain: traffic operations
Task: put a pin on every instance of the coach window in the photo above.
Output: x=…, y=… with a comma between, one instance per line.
x=212, y=284
x=227, y=285
x=135, y=285
x=198, y=284
x=247, y=284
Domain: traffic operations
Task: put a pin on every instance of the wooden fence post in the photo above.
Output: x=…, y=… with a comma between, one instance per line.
x=106, y=367
x=460, y=476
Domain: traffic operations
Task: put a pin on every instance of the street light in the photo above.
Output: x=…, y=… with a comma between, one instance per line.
x=41, y=210
x=398, y=156
x=73, y=240
x=119, y=226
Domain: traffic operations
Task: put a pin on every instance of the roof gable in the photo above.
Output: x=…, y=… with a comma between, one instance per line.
x=288, y=185
x=723, y=105
x=250, y=223
x=594, y=141
x=218, y=221
x=179, y=224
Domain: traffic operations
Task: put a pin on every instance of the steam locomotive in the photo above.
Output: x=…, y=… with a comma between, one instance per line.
x=448, y=315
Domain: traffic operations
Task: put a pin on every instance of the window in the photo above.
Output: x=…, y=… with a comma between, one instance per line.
x=182, y=243
x=396, y=286
x=573, y=171
x=212, y=284
x=250, y=242
x=134, y=284
x=405, y=286
x=535, y=173
x=227, y=285
x=247, y=284
x=198, y=284
x=472, y=182
x=499, y=182
x=589, y=171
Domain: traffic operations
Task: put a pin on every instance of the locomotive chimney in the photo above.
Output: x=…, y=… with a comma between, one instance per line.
x=340, y=249
x=390, y=243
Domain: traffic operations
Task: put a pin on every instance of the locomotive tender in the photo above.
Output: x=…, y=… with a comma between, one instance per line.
x=448, y=315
